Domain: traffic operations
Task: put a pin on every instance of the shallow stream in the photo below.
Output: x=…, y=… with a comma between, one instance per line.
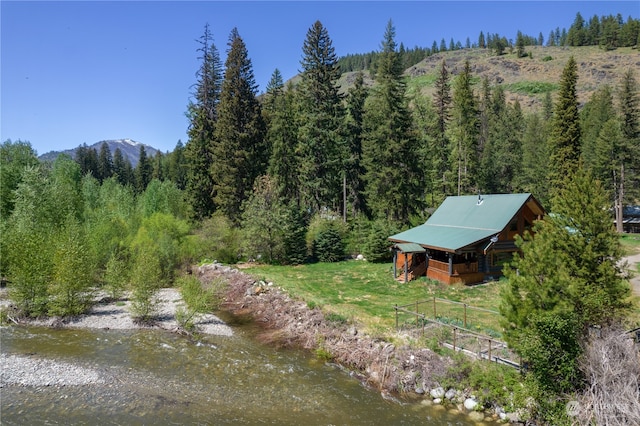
x=159, y=378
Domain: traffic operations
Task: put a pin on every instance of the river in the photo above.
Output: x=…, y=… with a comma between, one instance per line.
x=159, y=378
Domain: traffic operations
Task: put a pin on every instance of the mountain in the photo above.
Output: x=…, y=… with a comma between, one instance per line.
x=130, y=150
x=526, y=79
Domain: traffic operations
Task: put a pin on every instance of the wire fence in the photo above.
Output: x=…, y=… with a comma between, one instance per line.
x=469, y=329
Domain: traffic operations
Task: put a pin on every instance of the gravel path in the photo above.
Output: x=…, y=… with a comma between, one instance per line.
x=635, y=281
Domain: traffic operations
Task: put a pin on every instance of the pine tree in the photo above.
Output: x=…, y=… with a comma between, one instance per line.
x=320, y=149
x=628, y=188
x=203, y=114
x=394, y=184
x=105, y=163
x=568, y=279
x=481, y=42
x=565, y=138
x=143, y=171
x=282, y=136
x=356, y=98
x=442, y=106
x=240, y=153
x=532, y=179
x=463, y=133
x=520, y=45
x=177, y=166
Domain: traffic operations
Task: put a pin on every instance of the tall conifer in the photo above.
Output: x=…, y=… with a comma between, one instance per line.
x=203, y=114
x=565, y=138
x=464, y=132
x=239, y=148
x=320, y=148
x=394, y=179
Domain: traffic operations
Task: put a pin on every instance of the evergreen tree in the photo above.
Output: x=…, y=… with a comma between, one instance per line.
x=568, y=279
x=177, y=166
x=158, y=167
x=320, y=149
x=105, y=163
x=481, y=41
x=356, y=98
x=564, y=140
x=282, y=136
x=203, y=114
x=520, y=45
x=442, y=106
x=532, y=179
x=463, y=133
x=122, y=169
x=240, y=153
x=594, y=115
x=576, y=34
x=394, y=184
x=628, y=188
x=143, y=171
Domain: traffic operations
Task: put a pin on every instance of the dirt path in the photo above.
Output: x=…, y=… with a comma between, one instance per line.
x=635, y=281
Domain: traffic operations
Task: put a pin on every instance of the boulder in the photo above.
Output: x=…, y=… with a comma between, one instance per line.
x=436, y=393
x=450, y=394
x=470, y=404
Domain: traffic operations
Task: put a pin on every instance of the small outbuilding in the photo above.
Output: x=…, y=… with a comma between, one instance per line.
x=631, y=219
x=468, y=239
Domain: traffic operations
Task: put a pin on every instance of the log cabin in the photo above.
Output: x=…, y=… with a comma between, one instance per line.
x=467, y=240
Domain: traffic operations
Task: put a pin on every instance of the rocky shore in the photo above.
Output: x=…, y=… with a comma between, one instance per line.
x=108, y=315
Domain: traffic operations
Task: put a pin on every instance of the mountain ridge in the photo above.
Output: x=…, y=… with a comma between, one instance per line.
x=129, y=148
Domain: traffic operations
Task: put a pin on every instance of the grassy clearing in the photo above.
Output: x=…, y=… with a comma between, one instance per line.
x=631, y=243
x=366, y=292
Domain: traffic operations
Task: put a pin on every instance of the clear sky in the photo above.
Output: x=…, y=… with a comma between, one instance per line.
x=83, y=71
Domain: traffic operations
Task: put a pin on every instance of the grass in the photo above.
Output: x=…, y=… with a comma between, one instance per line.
x=531, y=87
x=366, y=292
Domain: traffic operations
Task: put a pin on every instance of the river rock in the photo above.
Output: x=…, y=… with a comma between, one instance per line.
x=437, y=400
x=476, y=416
x=419, y=390
x=450, y=394
x=470, y=404
x=436, y=393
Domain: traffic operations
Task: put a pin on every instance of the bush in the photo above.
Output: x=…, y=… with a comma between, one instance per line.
x=199, y=299
x=217, y=239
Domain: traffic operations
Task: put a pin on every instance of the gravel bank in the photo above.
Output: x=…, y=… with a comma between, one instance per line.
x=33, y=371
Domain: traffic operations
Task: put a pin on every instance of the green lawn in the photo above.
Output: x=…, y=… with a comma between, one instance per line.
x=366, y=293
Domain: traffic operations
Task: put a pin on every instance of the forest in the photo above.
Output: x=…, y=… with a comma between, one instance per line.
x=309, y=172
x=272, y=174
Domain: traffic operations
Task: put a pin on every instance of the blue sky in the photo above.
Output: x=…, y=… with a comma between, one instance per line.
x=83, y=71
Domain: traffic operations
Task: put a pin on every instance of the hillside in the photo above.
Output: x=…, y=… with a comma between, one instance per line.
x=527, y=79
x=130, y=150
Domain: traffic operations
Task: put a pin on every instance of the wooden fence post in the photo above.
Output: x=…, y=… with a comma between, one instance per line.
x=489, y=350
x=396, y=309
x=417, y=325
x=454, y=339
x=434, y=307
x=465, y=315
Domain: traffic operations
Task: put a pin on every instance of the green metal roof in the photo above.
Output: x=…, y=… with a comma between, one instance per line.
x=464, y=221
x=410, y=248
